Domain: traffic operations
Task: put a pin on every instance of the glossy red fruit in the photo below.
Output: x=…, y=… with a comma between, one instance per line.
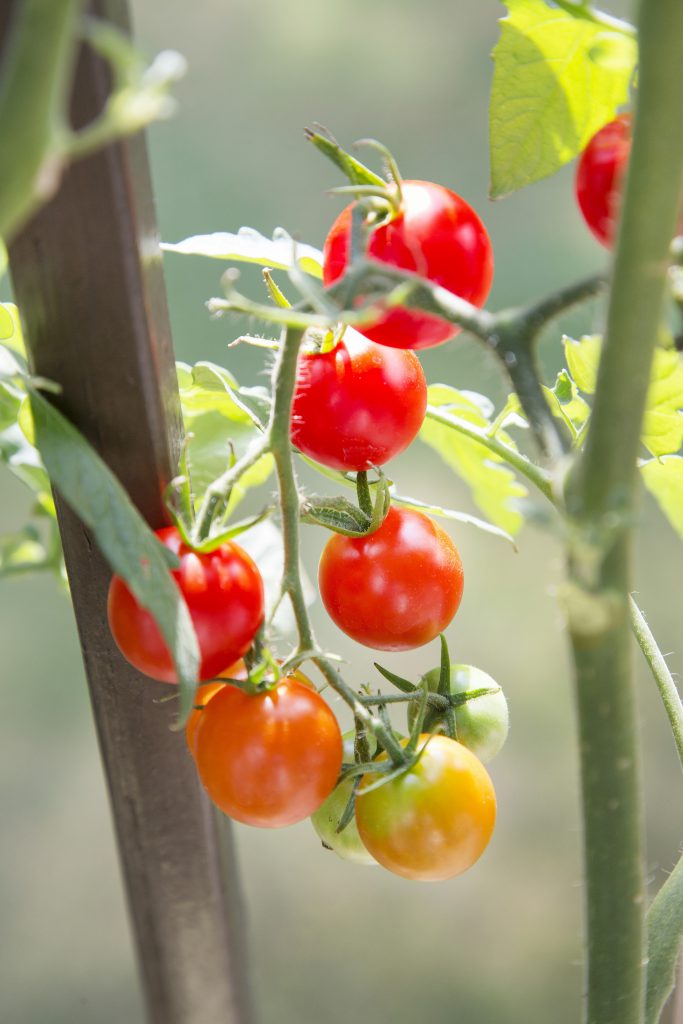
x=599, y=176
x=437, y=235
x=272, y=759
x=395, y=589
x=224, y=594
x=358, y=405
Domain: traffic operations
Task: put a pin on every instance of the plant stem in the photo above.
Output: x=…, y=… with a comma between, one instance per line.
x=601, y=496
x=219, y=490
x=33, y=94
x=535, y=474
x=284, y=378
x=661, y=674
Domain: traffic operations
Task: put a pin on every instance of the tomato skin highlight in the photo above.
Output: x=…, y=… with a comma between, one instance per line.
x=397, y=588
x=358, y=405
x=224, y=594
x=269, y=760
x=437, y=235
x=434, y=820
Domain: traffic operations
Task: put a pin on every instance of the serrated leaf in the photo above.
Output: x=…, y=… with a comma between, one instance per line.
x=249, y=246
x=126, y=541
x=494, y=486
x=215, y=416
x=662, y=432
x=557, y=80
x=664, y=480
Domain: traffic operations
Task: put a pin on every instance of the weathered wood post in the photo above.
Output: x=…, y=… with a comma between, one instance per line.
x=88, y=278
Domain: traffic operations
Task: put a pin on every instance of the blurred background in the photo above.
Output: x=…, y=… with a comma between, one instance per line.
x=330, y=940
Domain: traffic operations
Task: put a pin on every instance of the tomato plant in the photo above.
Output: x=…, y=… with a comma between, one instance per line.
x=396, y=588
x=224, y=594
x=435, y=819
x=268, y=759
x=358, y=404
x=482, y=722
x=436, y=234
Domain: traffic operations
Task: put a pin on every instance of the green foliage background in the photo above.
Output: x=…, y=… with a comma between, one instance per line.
x=335, y=941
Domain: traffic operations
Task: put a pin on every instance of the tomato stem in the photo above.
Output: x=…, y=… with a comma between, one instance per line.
x=284, y=382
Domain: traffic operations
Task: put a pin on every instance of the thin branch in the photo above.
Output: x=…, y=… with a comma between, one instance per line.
x=218, y=492
x=537, y=315
x=661, y=674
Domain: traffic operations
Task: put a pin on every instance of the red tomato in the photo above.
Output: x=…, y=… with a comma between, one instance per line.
x=437, y=235
x=599, y=174
x=435, y=819
x=395, y=589
x=224, y=594
x=272, y=759
x=358, y=405
x=204, y=695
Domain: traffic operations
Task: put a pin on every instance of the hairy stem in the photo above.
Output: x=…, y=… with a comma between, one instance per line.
x=284, y=377
x=661, y=674
x=601, y=498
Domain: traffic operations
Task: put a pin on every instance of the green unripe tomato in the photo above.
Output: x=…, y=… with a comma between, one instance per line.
x=482, y=723
x=346, y=844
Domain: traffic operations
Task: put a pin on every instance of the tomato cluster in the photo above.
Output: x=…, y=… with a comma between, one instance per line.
x=268, y=748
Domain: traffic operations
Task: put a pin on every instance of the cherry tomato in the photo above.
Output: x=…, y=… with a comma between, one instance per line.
x=436, y=234
x=358, y=405
x=599, y=175
x=347, y=844
x=204, y=695
x=272, y=759
x=224, y=595
x=482, y=723
x=395, y=589
x=435, y=819
x=599, y=178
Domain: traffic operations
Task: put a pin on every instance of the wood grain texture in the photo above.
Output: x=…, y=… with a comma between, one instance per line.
x=88, y=278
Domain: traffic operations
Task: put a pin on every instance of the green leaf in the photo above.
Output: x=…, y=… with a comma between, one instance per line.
x=664, y=935
x=249, y=246
x=662, y=432
x=566, y=403
x=216, y=415
x=11, y=334
x=494, y=486
x=557, y=80
x=664, y=479
x=583, y=358
x=128, y=544
x=21, y=550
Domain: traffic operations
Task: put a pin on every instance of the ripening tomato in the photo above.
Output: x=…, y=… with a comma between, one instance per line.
x=395, y=589
x=204, y=695
x=358, y=405
x=482, y=723
x=434, y=820
x=224, y=594
x=271, y=759
x=347, y=844
x=437, y=235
